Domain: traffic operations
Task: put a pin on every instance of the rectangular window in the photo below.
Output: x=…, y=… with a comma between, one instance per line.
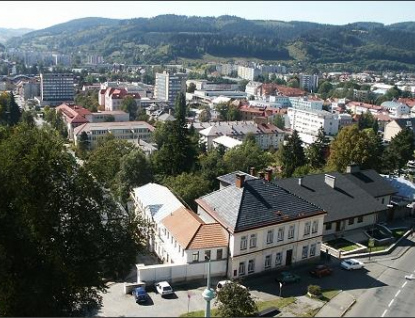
x=241, y=269
x=278, y=259
x=251, y=266
x=195, y=257
x=267, y=261
x=281, y=234
x=219, y=254
x=252, y=240
x=270, y=236
x=307, y=228
x=328, y=226
x=291, y=232
x=175, y=243
x=383, y=200
x=312, y=250
x=359, y=219
x=305, y=252
x=180, y=249
x=244, y=242
x=351, y=221
x=207, y=255
x=314, y=229
x=182, y=253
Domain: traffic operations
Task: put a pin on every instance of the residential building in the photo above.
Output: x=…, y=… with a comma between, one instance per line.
x=349, y=200
x=396, y=126
x=396, y=109
x=103, y=116
x=345, y=120
x=307, y=103
x=226, y=141
x=253, y=89
x=56, y=88
x=308, y=82
x=359, y=108
x=308, y=122
x=131, y=131
x=266, y=135
x=113, y=98
x=248, y=73
x=268, y=227
x=169, y=86
x=73, y=116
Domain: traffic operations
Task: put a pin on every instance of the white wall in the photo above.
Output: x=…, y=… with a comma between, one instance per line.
x=367, y=220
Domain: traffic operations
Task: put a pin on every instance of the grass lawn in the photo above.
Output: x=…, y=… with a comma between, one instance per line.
x=379, y=248
x=342, y=244
x=398, y=232
x=279, y=303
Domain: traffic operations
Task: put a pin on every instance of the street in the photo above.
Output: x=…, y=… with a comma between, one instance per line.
x=396, y=297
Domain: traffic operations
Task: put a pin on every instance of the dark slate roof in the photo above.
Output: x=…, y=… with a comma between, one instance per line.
x=231, y=177
x=372, y=182
x=404, y=122
x=344, y=201
x=258, y=203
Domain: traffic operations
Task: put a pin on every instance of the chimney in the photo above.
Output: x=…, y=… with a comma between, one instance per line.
x=239, y=182
x=261, y=175
x=300, y=181
x=252, y=171
x=268, y=174
x=330, y=180
x=352, y=168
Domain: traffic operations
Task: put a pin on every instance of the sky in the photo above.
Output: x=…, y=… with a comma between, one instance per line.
x=42, y=14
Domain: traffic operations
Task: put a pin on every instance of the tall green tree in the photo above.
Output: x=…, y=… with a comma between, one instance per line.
x=400, y=150
x=279, y=121
x=135, y=170
x=10, y=110
x=233, y=300
x=367, y=120
x=129, y=105
x=317, y=152
x=353, y=146
x=61, y=237
x=291, y=155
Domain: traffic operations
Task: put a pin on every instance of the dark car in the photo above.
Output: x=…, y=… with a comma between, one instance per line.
x=287, y=277
x=321, y=270
x=140, y=295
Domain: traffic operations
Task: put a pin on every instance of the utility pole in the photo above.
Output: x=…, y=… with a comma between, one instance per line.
x=208, y=294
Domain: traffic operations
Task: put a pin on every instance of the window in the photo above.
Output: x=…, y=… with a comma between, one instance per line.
x=307, y=228
x=251, y=266
x=252, y=240
x=267, y=261
x=207, y=255
x=314, y=229
x=219, y=254
x=278, y=259
x=168, y=235
x=241, y=269
x=270, y=236
x=312, y=250
x=179, y=249
x=195, y=257
x=244, y=242
x=291, y=232
x=360, y=219
x=383, y=200
x=281, y=234
x=182, y=253
x=328, y=226
x=305, y=252
x=351, y=221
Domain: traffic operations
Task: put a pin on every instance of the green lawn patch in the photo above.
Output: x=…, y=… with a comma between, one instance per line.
x=397, y=233
x=342, y=244
x=379, y=248
x=279, y=303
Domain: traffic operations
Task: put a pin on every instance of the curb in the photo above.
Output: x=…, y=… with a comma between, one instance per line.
x=348, y=308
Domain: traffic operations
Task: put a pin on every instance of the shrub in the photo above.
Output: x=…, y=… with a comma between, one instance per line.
x=314, y=290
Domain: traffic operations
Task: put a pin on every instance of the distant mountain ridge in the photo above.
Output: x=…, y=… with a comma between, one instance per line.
x=6, y=34
x=169, y=38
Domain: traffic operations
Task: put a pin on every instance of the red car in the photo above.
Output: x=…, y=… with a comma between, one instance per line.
x=321, y=270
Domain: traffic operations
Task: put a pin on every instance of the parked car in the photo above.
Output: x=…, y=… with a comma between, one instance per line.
x=140, y=295
x=286, y=277
x=222, y=283
x=164, y=288
x=321, y=270
x=352, y=263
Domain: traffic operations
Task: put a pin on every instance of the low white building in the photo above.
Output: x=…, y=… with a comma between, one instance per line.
x=131, y=131
x=253, y=88
x=226, y=141
x=306, y=103
x=396, y=109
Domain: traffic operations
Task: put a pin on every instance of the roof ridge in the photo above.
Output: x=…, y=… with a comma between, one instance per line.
x=194, y=235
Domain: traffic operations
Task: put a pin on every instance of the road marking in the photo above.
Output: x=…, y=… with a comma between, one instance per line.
x=391, y=302
x=396, y=295
x=404, y=284
x=384, y=313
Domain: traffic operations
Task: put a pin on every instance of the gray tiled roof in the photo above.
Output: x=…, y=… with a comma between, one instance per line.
x=258, y=203
x=372, y=182
x=346, y=200
x=231, y=177
x=404, y=122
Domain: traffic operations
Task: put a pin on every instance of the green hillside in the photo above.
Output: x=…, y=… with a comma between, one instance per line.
x=168, y=38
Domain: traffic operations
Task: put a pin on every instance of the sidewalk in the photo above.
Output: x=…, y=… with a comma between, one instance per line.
x=338, y=306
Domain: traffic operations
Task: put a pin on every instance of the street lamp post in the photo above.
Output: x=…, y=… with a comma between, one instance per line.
x=208, y=294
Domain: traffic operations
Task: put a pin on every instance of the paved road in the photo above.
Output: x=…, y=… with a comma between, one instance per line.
x=396, y=297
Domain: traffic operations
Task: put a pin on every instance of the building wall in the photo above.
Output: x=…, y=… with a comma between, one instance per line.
x=391, y=130
x=345, y=226
x=308, y=122
x=56, y=88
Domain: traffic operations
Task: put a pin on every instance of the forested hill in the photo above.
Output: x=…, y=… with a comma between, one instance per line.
x=168, y=38
x=6, y=34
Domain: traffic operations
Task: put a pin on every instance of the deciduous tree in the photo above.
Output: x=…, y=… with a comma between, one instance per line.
x=233, y=300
